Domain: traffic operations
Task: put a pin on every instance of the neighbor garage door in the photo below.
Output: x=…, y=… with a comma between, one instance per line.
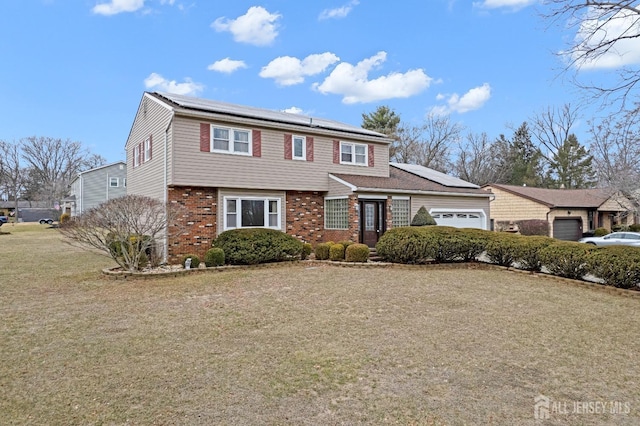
x=459, y=219
x=567, y=229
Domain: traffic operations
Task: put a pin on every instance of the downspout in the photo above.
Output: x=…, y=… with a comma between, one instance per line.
x=165, y=179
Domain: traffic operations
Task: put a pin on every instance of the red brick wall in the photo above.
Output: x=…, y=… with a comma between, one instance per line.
x=305, y=216
x=200, y=221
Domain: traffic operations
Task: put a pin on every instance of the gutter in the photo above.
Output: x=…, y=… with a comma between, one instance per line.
x=414, y=191
x=165, y=179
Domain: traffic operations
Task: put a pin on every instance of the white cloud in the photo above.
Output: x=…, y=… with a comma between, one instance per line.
x=117, y=6
x=293, y=110
x=470, y=101
x=622, y=52
x=339, y=12
x=507, y=4
x=352, y=82
x=156, y=81
x=257, y=26
x=226, y=65
x=287, y=70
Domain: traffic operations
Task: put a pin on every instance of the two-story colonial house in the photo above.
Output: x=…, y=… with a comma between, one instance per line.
x=235, y=166
x=95, y=186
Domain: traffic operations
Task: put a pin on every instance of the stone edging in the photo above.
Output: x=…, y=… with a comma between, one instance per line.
x=125, y=275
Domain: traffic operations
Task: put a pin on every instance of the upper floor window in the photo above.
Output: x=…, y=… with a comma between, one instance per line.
x=136, y=156
x=147, y=149
x=353, y=153
x=299, y=148
x=113, y=182
x=234, y=141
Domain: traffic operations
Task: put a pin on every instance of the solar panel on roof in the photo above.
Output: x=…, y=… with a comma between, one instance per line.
x=434, y=175
x=264, y=114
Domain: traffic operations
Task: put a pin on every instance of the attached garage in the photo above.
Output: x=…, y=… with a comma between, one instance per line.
x=459, y=219
x=569, y=229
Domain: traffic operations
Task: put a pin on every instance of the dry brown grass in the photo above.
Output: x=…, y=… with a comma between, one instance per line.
x=301, y=345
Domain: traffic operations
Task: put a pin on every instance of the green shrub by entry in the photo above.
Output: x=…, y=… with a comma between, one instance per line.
x=600, y=232
x=423, y=218
x=617, y=266
x=306, y=250
x=336, y=252
x=346, y=243
x=357, y=253
x=567, y=259
x=258, y=245
x=501, y=248
x=195, y=260
x=322, y=251
x=214, y=257
x=407, y=245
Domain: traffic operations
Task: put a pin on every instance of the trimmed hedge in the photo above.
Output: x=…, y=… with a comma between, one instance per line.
x=322, y=251
x=258, y=245
x=600, y=232
x=423, y=218
x=617, y=266
x=501, y=248
x=214, y=257
x=406, y=245
x=527, y=252
x=195, y=260
x=306, y=250
x=567, y=259
x=357, y=253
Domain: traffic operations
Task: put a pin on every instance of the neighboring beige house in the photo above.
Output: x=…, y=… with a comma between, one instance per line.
x=570, y=212
x=235, y=166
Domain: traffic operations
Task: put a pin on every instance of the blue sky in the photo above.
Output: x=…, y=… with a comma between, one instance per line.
x=77, y=69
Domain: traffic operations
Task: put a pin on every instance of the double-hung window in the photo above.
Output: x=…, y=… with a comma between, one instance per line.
x=299, y=148
x=353, y=153
x=147, y=149
x=230, y=140
x=113, y=182
x=136, y=155
x=252, y=212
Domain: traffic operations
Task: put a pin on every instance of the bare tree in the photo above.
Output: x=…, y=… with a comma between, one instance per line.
x=604, y=32
x=481, y=161
x=131, y=230
x=430, y=144
x=54, y=163
x=11, y=173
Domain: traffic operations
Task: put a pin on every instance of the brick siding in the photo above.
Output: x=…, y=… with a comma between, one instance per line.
x=305, y=216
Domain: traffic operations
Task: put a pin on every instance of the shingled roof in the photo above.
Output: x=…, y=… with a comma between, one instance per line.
x=403, y=181
x=559, y=198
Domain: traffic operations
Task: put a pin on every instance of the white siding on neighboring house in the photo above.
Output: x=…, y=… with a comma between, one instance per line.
x=449, y=204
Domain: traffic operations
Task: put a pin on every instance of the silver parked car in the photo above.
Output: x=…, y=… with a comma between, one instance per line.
x=614, y=239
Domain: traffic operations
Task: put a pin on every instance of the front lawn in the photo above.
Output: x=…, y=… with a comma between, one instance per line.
x=303, y=345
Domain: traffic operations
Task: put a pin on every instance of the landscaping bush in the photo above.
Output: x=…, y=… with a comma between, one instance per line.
x=357, y=253
x=64, y=218
x=501, y=248
x=527, y=252
x=635, y=227
x=195, y=260
x=407, y=245
x=423, y=218
x=567, y=259
x=617, y=266
x=214, y=257
x=322, y=251
x=533, y=227
x=472, y=243
x=258, y=245
x=600, y=232
x=346, y=243
x=127, y=248
x=619, y=228
x=336, y=252
x=306, y=250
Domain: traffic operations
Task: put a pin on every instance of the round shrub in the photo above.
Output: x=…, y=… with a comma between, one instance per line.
x=214, y=257
x=306, y=251
x=567, y=259
x=346, y=243
x=527, y=252
x=357, y=253
x=617, y=266
x=407, y=245
x=322, y=251
x=336, y=252
x=600, y=232
x=258, y=245
x=472, y=242
x=195, y=260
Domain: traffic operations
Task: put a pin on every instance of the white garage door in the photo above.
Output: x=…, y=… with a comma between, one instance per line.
x=459, y=219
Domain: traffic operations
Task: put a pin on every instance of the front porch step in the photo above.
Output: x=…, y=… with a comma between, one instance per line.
x=373, y=255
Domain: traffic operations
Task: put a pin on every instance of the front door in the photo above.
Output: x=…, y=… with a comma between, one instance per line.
x=372, y=220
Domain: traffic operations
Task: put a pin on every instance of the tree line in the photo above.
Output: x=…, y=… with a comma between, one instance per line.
x=42, y=168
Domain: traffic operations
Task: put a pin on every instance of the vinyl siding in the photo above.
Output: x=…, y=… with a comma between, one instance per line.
x=92, y=187
x=337, y=189
x=269, y=171
x=451, y=202
x=148, y=178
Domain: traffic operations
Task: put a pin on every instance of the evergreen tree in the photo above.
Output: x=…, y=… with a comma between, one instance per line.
x=571, y=167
